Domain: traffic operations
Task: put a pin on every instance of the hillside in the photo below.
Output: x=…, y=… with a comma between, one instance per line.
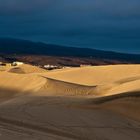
x=36, y=52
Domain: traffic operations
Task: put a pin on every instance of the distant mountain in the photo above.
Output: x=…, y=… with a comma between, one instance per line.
x=24, y=47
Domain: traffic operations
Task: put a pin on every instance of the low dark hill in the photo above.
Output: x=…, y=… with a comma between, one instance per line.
x=24, y=47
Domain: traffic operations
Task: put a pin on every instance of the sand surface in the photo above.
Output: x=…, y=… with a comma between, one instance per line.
x=88, y=103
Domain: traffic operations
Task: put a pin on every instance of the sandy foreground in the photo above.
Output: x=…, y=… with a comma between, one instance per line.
x=88, y=103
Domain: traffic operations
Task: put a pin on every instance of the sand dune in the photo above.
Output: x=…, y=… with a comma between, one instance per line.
x=74, y=103
x=21, y=82
x=25, y=68
x=124, y=103
x=56, y=87
x=99, y=81
x=96, y=75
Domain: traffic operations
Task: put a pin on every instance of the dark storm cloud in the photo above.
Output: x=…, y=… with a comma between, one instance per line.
x=15, y=7
x=103, y=24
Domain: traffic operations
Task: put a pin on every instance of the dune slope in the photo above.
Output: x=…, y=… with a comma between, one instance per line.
x=56, y=87
x=101, y=81
x=37, y=104
x=125, y=103
x=96, y=75
x=25, y=68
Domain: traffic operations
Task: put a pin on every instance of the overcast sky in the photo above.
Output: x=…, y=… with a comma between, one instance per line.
x=100, y=24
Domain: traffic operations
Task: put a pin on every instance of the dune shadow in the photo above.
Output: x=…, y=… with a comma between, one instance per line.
x=105, y=99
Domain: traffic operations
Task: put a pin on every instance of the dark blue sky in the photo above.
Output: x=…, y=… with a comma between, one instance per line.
x=100, y=24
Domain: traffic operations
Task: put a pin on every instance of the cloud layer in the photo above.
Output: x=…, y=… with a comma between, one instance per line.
x=101, y=24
